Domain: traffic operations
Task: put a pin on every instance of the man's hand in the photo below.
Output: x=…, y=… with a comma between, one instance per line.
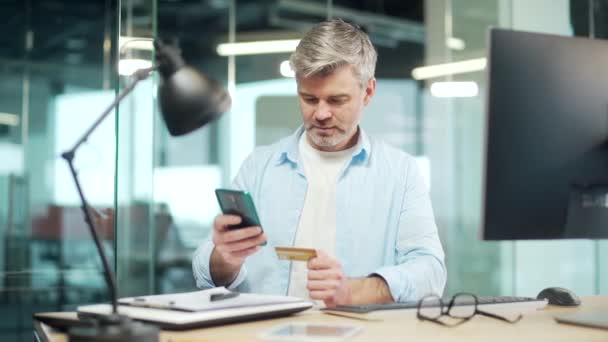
x=327, y=282
x=232, y=247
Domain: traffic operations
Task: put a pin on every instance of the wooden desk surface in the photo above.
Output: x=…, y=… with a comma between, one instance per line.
x=403, y=325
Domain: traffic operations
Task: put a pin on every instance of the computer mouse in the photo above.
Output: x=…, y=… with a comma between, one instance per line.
x=559, y=296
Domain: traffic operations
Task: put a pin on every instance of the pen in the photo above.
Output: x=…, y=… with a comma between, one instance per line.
x=142, y=302
x=221, y=296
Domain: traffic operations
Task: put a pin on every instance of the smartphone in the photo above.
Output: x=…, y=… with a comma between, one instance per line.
x=240, y=203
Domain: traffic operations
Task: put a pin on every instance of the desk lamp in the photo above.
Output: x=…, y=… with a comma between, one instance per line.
x=188, y=101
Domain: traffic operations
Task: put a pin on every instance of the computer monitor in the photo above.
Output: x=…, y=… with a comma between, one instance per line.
x=546, y=158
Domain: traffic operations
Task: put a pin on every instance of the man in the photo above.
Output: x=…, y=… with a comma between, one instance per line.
x=359, y=202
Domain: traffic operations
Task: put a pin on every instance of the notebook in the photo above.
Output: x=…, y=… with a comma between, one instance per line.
x=195, y=309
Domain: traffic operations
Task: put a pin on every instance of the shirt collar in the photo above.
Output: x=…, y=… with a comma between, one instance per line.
x=289, y=151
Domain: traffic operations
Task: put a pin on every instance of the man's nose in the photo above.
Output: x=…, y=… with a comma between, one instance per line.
x=322, y=112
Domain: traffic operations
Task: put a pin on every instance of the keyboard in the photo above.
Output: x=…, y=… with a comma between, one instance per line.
x=484, y=302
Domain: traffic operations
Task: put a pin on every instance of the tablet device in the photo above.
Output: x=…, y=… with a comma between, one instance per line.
x=311, y=332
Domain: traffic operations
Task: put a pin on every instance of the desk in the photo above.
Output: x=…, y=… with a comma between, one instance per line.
x=403, y=326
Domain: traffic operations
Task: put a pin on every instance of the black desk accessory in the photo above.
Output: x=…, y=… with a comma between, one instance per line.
x=559, y=296
x=188, y=101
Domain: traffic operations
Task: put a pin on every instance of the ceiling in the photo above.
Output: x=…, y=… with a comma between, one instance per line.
x=200, y=26
x=70, y=33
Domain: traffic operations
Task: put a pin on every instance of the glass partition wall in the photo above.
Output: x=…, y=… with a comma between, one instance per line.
x=165, y=198
x=56, y=75
x=61, y=65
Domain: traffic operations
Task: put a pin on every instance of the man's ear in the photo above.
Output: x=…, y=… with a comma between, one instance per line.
x=370, y=90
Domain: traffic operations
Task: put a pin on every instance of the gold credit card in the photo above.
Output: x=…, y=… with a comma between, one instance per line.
x=295, y=254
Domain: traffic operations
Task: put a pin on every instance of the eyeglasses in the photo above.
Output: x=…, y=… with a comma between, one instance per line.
x=462, y=306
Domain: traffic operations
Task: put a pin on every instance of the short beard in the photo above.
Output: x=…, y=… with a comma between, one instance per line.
x=332, y=141
x=326, y=141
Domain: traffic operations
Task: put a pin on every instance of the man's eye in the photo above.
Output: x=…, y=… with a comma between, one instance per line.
x=310, y=100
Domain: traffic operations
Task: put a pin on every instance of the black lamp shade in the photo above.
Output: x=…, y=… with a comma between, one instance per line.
x=189, y=100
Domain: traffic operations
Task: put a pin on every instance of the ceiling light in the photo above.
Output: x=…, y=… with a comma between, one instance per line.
x=9, y=119
x=285, y=69
x=454, y=89
x=455, y=43
x=454, y=68
x=257, y=48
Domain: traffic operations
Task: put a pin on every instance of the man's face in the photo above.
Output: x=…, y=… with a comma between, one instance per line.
x=331, y=107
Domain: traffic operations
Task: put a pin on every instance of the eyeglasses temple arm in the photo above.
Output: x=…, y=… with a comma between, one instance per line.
x=489, y=314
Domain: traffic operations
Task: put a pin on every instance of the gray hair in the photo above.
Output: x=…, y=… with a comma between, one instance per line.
x=332, y=44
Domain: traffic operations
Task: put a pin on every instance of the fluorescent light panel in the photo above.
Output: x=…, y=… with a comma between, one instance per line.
x=9, y=119
x=455, y=43
x=438, y=70
x=257, y=48
x=454, y=89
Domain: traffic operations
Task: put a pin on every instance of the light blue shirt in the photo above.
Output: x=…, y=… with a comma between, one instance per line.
x=384, y=224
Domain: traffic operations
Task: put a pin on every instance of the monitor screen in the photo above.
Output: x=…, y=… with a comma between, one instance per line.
x=546, y=157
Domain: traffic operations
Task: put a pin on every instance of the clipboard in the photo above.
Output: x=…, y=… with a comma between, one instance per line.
x=195, y=310
x=205, y=300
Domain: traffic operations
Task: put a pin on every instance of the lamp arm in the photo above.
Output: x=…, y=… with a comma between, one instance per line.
x=69, y=155
x=138, y=75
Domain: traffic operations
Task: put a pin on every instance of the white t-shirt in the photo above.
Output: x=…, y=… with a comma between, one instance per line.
x=317, y=226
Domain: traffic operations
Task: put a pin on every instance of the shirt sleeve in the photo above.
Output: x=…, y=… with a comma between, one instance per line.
x=202, y=256
x=420, y=268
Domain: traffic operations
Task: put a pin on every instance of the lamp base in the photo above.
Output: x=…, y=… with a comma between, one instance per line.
x=114, y=328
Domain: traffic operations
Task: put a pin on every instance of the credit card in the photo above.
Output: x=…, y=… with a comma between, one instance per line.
x=295, y=254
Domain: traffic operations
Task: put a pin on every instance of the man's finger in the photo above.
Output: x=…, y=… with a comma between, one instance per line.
x=322, y=295
x=246, y=252
x=244, y=244
x=241, y=234
x=321, y=262
x=330, y=273
x=322, y=285
x=222, y=222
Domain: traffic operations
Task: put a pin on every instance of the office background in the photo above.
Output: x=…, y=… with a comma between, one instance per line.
x=59, y=69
